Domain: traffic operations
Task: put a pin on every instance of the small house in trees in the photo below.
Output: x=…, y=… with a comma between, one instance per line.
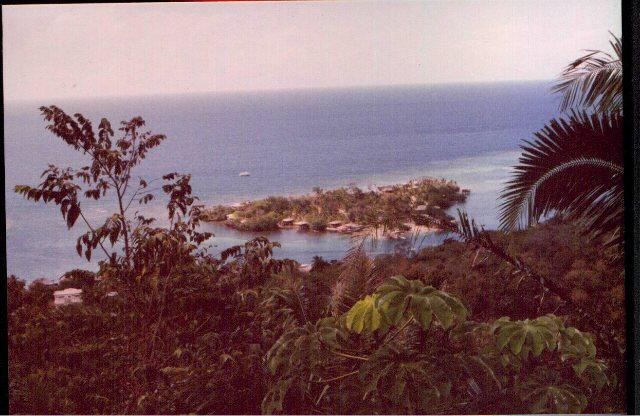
x=350, y=228
x=67, y=296
x=302, y=225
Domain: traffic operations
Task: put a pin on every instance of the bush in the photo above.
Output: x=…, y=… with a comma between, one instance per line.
x=217, y=213
x=409, y=348
x=267, y=222
x=318, y=224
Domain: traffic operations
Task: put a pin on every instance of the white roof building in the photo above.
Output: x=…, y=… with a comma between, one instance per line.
x=67, y=296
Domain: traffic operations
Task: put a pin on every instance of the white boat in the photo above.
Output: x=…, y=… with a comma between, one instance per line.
x=244, y=174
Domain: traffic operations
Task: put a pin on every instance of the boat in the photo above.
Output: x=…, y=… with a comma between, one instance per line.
x=245, y=173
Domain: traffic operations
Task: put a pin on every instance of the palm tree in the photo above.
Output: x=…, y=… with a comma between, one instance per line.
x=593, y=80
x=574, y=166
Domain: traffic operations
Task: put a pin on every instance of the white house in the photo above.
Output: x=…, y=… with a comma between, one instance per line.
x=67, y=296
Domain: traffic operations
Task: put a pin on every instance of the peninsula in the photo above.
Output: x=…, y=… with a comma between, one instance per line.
x=394, y=209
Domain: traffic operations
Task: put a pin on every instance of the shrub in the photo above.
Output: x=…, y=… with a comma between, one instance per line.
x=409, y=348
x=318, y=224
x=217, y=213
x=266, y=222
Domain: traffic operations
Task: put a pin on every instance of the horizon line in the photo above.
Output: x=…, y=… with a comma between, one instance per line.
x=271, y=90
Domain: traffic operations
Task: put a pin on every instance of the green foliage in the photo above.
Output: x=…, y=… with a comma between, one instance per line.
x=318, y=224
x=582, y=156
x=77, y=278
x=398, y=295
x=528, y=336
x=390, y=373
x=266, y=222
x=388, y=210
x=594, y=80
x=111, y=170
x=574, y=167
x=555, y=399
x=217, y=213
x=364, y=315
x=167, y=328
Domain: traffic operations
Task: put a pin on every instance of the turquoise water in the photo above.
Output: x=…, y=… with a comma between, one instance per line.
x=290, y=142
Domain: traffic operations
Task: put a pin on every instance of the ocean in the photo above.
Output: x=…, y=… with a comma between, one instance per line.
x=290, y=142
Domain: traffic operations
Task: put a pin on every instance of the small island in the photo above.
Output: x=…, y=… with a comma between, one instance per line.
x=418, y=205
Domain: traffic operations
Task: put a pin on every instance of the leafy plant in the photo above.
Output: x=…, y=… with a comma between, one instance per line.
x=446, y=372
x=574, y=167
x=594, y=80
x=399, y=296
x=112, y=163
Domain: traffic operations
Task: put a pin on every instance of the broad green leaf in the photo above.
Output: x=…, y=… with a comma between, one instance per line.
x=537, y=344
x=397, y=296
x=517, y=340
x=443, y=312
x=422, y=311
x=528, y=336
x=364, y=316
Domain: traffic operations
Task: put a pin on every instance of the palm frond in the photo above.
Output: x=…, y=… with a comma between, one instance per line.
x=358, y=277
x=594, y=79
x=574, y=167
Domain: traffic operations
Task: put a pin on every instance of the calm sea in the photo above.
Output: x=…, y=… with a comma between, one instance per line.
x=289, y=142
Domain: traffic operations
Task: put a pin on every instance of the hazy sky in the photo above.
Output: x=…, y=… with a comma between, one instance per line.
x=139, y=49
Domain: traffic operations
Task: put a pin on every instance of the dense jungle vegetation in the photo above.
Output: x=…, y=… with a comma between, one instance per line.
x=385, y=210
x=508, y=321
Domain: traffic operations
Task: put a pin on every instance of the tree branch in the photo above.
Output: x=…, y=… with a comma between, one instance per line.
x=94, y=231
x=329, y=380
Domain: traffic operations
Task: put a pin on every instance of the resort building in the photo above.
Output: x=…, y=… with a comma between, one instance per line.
x=351, y=227
x=67, y=296
x=302, y=225
x=287, y=222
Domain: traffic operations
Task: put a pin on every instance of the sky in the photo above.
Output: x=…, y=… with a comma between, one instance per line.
x=90, y=50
